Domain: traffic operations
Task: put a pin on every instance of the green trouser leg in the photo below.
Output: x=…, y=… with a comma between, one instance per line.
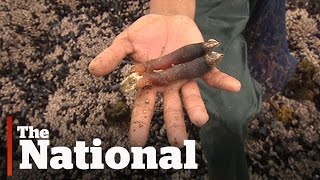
x=223, y=136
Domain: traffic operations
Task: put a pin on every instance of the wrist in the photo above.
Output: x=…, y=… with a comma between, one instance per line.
x=173, y=7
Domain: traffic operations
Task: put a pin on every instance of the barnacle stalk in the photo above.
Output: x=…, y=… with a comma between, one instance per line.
x=188, y=62
x=182, y=55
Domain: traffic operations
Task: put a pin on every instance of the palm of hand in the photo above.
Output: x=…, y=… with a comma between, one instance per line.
x=153, y=36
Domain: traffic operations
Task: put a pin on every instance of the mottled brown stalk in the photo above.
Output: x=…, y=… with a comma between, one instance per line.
x=188, y=62
x=182, y=55
x=188, y=70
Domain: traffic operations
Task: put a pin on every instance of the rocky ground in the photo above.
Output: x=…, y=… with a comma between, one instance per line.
x=45, y=50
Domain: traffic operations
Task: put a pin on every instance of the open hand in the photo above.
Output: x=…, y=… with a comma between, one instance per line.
x=150, y=37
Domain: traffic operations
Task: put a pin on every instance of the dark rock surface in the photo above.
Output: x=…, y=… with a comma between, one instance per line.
x=45, y=49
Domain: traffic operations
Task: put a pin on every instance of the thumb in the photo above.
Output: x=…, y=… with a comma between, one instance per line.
x=217, y=79
x=111, y=57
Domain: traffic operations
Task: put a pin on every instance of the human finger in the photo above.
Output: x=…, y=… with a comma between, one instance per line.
x=194, y=104
x=216, y=78
x=108, y=59
x=141, y=117
x=174, y=118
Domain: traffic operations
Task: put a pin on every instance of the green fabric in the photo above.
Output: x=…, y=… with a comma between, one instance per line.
x=223, y=136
